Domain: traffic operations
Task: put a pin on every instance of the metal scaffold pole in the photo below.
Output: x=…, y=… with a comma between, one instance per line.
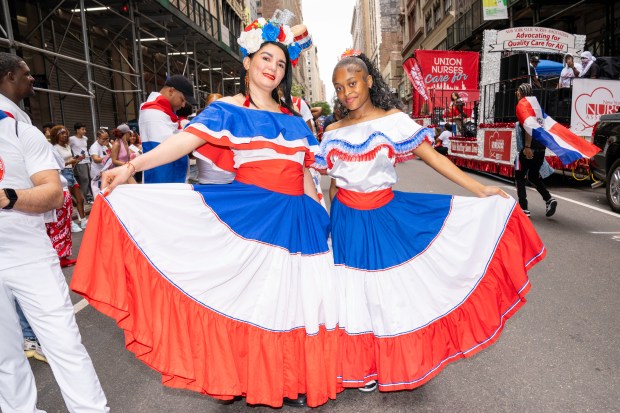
x=89, y=74
x=8, y=26
x=137, y=55
x=196, y=76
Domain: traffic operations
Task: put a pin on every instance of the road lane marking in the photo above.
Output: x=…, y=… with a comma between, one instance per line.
x=604, y=211
x=80, y=305
x=615, y=235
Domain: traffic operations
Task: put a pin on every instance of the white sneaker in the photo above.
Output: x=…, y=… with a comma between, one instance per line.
x=83, y=223
x=75, y=227
x=30, y=347
x=369, y=387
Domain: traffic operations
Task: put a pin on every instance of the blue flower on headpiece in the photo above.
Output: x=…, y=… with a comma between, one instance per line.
x=271, y=32
x=244, y=52
x=294, y=50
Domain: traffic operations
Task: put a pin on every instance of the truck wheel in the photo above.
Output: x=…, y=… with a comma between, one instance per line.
x=613, y=186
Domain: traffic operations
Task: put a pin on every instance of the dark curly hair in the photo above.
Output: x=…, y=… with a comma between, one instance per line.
x=285, y=86
x=380, y=94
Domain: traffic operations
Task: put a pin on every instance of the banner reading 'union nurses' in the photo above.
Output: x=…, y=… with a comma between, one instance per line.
x=444, y=69
x=440, y=73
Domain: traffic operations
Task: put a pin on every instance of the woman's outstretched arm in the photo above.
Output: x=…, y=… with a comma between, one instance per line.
x=169, y=150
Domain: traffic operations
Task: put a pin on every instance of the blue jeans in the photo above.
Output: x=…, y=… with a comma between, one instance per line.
x=26, y=329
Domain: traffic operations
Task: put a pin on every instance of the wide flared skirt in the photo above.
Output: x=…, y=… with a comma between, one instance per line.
x=227, y=290
x=426, y=280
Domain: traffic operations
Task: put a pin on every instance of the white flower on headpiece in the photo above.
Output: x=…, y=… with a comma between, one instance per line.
x=289, y=35
x=262, y=21
x=251, y=40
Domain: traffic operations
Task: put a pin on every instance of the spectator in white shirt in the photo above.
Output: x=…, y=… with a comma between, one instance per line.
x=79, y=146
x=442, y=142
x=29, y=269
x=99, y=151
x=59, y=138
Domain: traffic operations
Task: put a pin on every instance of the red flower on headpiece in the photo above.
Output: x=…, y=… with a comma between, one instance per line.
x=253, y=25
x=282, y=35
x=351, y=52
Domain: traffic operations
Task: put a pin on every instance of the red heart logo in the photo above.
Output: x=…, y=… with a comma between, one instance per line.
x=586, y=105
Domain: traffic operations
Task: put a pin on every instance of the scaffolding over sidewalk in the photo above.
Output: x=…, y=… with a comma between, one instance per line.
x=98, y=60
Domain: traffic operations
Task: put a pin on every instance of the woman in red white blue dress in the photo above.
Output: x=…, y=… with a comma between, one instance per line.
x=228, y=290
x=425, y=279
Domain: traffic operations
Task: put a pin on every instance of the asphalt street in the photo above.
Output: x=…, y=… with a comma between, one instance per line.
x=558, y=354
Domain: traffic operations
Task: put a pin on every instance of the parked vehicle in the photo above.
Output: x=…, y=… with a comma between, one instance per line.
x=606, y=164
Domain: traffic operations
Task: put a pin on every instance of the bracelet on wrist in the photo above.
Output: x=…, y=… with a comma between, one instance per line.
x=527, y=147
x=129, y=164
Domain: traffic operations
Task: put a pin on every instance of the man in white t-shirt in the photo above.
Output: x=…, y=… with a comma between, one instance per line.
x=29, y=268
x=98, y=152
x=442, y=142
x=304, y=110
x=79, y=146
x=158, y=121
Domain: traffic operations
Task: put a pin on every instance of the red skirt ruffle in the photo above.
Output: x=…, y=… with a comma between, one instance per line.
x=410, y=360
x=192, y=346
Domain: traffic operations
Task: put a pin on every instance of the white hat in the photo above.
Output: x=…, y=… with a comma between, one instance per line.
x=124, y=128
x=588, y=55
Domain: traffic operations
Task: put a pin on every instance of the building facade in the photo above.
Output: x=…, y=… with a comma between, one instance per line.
x=316, y=87
x=376, y=31
x=459, y=25
x=96, y=64
x=425, y=24
x=304, y=81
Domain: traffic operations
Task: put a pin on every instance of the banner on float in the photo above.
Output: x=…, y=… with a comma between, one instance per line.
x=494, y=9
x=438, y=73
x=445, y=69
x=497, y=144
x=535, y=39
x=591, y=99
x=464, y=148
x=414, y=74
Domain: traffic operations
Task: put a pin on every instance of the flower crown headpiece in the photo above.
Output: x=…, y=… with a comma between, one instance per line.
x=276, y=29
x=350, y=52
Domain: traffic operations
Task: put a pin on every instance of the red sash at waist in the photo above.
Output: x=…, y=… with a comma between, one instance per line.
x=285, y=177
x=365, y=200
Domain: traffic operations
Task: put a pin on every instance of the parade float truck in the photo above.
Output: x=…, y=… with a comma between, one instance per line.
x=483, y=122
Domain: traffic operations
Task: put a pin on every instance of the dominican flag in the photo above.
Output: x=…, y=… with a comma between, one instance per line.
x=561, y=141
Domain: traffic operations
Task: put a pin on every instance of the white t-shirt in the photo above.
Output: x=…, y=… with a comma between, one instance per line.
x=79, y=145
x=23, y=238
x=567, y=74
x=7, y=105
x=444, y=137
x=100, y=151
x=155, y=125
x=305, y=111
x=65, y=152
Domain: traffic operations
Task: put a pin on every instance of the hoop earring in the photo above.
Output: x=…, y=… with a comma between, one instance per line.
x=247, y=91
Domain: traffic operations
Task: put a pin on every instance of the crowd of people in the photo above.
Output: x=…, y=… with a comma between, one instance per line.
x=238, y=271
x=586, y=68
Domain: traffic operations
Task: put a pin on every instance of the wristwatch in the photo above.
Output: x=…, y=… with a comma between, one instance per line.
x=12, y=196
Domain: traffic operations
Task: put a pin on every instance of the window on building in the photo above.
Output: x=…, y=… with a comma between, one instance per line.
x=447, y=5
x=437, y=12
x=411, y=21
x=428, y=22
